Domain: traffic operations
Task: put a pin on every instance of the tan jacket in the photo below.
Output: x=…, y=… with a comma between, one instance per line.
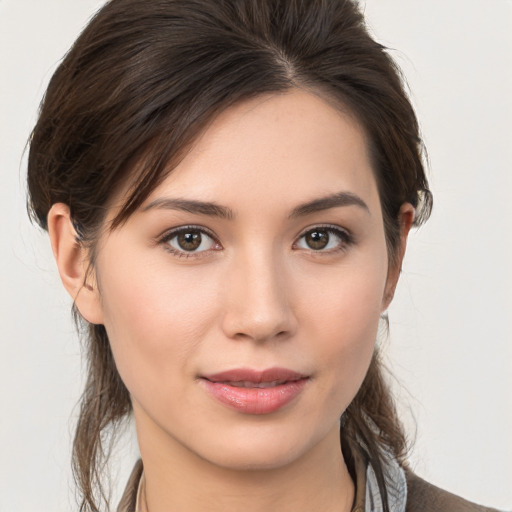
x=421, y=496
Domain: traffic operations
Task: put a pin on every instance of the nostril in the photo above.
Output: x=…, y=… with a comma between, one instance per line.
x=258, y=312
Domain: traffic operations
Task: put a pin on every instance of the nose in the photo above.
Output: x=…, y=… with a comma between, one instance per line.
x=258, y=300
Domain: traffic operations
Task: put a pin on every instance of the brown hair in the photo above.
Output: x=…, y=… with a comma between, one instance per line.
x=143, y=80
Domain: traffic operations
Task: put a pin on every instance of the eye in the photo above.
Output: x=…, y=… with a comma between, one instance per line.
x=324, y=239
x=189, y=240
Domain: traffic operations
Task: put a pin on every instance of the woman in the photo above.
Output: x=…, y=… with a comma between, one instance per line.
x=228, y=188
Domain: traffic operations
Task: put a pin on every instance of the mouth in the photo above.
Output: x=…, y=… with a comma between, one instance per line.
x=247, y=377
x=249, y=384
x=255, y=391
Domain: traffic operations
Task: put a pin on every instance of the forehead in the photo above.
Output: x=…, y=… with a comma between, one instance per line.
x=286, y=147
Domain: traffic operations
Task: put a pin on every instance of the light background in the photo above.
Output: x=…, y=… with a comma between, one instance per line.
x=450, y=345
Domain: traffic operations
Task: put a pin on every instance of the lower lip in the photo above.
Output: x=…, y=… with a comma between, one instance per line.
x=255, y=400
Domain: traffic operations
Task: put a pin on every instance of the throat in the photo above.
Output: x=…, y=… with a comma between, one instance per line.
x=318, y=480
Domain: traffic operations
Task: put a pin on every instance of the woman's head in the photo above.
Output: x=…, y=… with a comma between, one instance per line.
x=134, y=103
x=263, y=249
x=144, y=79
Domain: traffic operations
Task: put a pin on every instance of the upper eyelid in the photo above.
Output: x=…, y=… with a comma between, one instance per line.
x=165, y=240
x=345, y=236
x=332, y=227
x=172, y=232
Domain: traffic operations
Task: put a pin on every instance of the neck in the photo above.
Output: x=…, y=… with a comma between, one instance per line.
x=176, y=479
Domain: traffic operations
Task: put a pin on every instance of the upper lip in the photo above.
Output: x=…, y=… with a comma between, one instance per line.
x=256, y=376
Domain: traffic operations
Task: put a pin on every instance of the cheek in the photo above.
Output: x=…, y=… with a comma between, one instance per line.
x=347, y=302
x=154, y=320
x=352, y=329
x=344, y=318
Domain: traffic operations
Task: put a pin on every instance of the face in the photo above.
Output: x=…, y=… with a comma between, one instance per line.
x=242, y=299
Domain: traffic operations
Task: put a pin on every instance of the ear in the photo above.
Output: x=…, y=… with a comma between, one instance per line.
x=405, y=220
x=72, y=261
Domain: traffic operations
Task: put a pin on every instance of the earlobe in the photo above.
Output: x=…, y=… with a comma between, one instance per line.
x=72, y=262
x=406, y=219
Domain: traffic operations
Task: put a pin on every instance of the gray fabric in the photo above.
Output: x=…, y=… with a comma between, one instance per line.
x=396, y=486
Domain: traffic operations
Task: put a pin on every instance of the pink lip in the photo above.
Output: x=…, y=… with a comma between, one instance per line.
x=283, y=386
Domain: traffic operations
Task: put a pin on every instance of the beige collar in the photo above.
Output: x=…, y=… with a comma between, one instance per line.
x=140, y=500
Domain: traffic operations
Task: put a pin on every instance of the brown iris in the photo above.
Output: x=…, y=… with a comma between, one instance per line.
x=189, y=240
x=317, y=239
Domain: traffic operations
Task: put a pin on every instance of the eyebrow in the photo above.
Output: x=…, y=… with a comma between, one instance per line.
x=191, y=206
x=327, y=202
x=214, y=210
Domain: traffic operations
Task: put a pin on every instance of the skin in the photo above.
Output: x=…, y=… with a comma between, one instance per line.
x=254, y=295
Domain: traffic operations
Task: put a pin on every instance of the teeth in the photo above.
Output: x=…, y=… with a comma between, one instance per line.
x=248, y=384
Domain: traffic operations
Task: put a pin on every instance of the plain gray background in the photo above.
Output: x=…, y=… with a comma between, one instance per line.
x=450, y=345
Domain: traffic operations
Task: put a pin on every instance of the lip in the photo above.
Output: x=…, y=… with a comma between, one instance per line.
x=255, y=391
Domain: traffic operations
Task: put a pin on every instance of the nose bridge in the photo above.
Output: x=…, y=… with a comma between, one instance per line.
x=258, y=296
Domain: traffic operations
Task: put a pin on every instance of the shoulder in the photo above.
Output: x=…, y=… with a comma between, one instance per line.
x=425, y=497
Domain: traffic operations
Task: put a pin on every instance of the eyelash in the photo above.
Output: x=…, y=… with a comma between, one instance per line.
x=170, y=235
x=346, y=239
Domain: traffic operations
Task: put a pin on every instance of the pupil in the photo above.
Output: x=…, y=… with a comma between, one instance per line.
x=317, y=239
x=189, y=241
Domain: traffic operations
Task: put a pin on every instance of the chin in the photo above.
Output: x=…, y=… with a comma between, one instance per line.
x=255, y=458
x=263, y=449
